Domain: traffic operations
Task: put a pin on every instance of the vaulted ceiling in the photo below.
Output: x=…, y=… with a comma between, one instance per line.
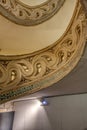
x=18, y=40
x=41, y=41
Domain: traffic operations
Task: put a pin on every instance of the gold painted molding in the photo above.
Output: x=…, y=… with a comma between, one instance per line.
x=26, y=74
x=22, y=14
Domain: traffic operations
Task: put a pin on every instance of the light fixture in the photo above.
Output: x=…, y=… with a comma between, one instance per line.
x=44, y=102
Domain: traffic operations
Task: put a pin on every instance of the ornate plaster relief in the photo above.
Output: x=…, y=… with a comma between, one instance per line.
x=19, y=40
x=26, y=74
x=22, y=14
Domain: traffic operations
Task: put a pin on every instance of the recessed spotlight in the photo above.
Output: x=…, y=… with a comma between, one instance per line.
x=44, y=102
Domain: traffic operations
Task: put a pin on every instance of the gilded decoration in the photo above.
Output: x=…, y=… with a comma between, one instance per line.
x=26, y=74
x=27, y=15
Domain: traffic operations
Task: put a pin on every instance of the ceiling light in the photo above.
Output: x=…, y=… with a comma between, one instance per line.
x=44, y=102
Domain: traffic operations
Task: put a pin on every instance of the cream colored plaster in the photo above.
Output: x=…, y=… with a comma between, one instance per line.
x=33, y=2
x=15, y=39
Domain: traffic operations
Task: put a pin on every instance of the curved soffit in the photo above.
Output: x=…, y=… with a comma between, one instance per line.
x=18, y=40
x=31, y=73
x=23, y=14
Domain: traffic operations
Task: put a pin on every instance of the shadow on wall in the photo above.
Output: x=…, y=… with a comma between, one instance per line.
x=6, y=120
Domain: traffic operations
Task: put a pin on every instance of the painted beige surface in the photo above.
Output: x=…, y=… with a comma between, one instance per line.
x=15, y=39
x=33, y=2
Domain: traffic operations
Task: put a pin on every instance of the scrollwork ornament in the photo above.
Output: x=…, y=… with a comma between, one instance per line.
x=20, y=75
x=26, y=15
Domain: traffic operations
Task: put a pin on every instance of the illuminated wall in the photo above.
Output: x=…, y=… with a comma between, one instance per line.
x=62, y=113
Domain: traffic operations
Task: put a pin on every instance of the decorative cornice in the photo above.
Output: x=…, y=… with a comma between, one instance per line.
x=21, y=75
x=26, y=15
